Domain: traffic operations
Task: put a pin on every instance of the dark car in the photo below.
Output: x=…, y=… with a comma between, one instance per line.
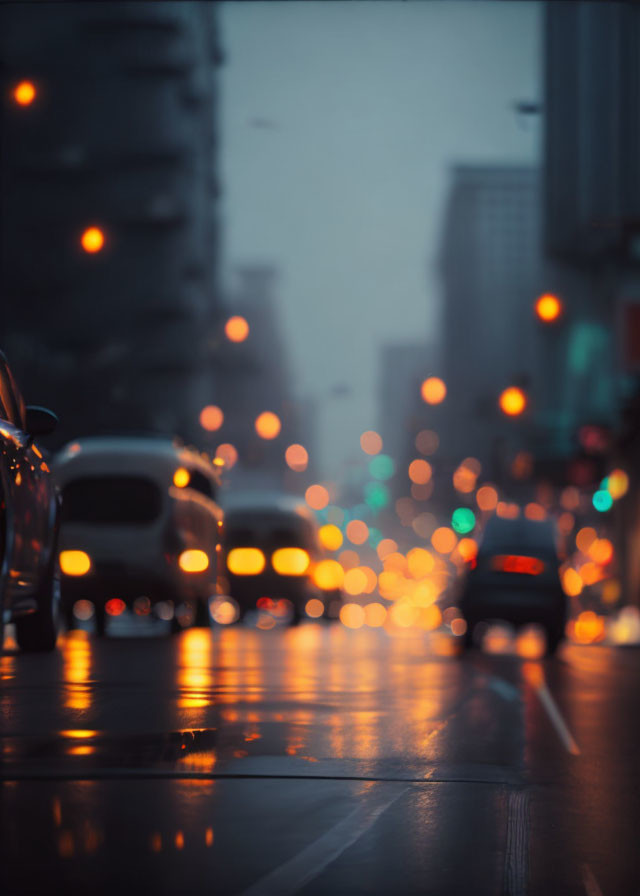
x=29, y=519
x=270, y=551
x=516, y=579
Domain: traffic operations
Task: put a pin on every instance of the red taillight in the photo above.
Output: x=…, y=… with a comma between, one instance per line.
x=528, y=566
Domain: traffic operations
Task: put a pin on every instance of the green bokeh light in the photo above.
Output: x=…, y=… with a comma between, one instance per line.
x=382, y=467
x=463, y=520
x=375, y=537
x=376, y=495
x=602, y=501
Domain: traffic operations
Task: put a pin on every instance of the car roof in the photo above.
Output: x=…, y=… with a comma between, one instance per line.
x=237, y=504
x=121, y=454
x=523, y=533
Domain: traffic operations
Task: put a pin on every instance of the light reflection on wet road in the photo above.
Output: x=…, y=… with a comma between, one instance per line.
x=317, y=760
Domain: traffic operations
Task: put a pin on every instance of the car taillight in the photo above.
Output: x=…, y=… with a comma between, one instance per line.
x=193, y=560
x=528, y=566
x=290, y=561
x=246, y=561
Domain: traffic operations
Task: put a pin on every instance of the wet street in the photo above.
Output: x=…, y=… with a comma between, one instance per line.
x=317, y=760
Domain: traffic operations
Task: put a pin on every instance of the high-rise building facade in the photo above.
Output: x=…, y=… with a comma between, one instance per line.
x=118, y=140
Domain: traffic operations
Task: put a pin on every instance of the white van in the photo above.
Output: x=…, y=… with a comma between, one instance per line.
x=140, y=528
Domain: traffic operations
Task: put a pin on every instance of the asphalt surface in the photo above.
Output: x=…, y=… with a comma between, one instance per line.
x=317, y=760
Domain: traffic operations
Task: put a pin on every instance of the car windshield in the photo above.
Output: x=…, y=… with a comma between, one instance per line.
x=109, y=500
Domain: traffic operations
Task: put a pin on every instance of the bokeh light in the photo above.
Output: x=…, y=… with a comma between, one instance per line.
x=375, y=614
x=420, y=471
x=211, y=418
x=24, y=93
x=433, y=390
x=385, y=547
x=487, y=498
x=548, y=308
x=427, y=441
x=371, y=442
x=444, y=540
x=617, y=484
x=297, y=458
x=328, y=575
x=420, y=562
x=352, y=615
x=463, y=520
x=330, y=537
x=236, y=329
x=268, y=425
x=382, y=467
x=314, y=608
x=512, y=401
x=317, y=497
x=92, y=240
x=357, y=531
x=602, y=500
x=585, y=538
x=227, y=453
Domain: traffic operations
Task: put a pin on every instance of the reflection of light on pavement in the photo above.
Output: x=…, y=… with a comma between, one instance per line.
x=625, y=628
x=7, y=667
x=77, y=656
x=195, y=678
x=531, y=643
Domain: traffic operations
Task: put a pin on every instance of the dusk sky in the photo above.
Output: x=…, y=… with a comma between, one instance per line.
x=363, y=107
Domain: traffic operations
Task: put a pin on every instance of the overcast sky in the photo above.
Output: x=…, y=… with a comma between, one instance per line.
x=339, y=123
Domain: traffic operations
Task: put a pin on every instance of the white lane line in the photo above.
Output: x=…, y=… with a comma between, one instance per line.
x=558, y=722
x=516, y=859
x=293, y=875
x=591, y=885
x=504, y=689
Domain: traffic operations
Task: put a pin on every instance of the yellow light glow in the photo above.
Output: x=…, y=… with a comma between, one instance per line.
x=352, y=615
x=355, y=581
x=181, y=477
x=193, y=560
x=371, y=442
x=571, y=582
x=24, y=93
x=92, y=240
x=330, y=537
x=297, y=458
x=290, y=561
x=74, y=563
x=427, y=441
x=375, y=615
x=617, y=484
x=420, y=562
x=268, y=425
x=548, y=308
x=512, y=401
x=314, y=608
x=246, y=561
x=588, y=627
x=211, y=418
x=433, y=390
x=328, y=575
x=236, y=329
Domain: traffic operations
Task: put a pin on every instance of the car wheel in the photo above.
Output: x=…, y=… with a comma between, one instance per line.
x=39, y=630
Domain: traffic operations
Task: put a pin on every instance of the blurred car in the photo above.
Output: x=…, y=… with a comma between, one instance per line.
x=140, y=527
x=29, y=518
x=516, y=579
x=270, y=549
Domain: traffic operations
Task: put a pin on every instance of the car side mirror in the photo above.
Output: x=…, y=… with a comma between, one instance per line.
x=39, y=421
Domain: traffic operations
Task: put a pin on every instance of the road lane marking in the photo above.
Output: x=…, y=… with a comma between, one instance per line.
x=504, y=689
x=558, y=722
x=293, y=875
x=591, y=885
x=516, y=859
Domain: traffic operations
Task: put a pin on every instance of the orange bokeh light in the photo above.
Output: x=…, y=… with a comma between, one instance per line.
x=352, y=616
x=297, y=458
x=444, y=540
x=357, y=531
x=92, y=240
x=371, y=442
x=427, y=441
x=487, y=498
x=268, y=425
x=386, y=546
x=24, y=93
x=317, y=497
x=227, y=453
x=585, y=538
x=236, y=329
x=211, y=418
x=433, y=390
x=548, y=308
x=512, y=401
x=420, y=471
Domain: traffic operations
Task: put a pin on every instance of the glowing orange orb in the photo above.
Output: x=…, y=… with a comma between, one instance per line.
x=211, y=418
x=512, y=401
x=268, y=425
x=548, y=308
x=433, y=390
x=24, y=93
x=92, y=240
x=297, y=457
x=236, y=329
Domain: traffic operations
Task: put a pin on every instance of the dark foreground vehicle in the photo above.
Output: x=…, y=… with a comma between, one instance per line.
x=140, y=528
x=29, y=517
x=516, y=579
x=271, y=547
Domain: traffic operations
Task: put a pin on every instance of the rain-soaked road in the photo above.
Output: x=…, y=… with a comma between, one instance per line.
x=317, y=760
